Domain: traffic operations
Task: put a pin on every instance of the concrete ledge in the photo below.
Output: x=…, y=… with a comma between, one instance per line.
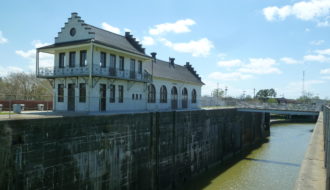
x=312, y=173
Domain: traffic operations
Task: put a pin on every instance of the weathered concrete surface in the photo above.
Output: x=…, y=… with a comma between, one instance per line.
x=312, y=174
x=159, y=150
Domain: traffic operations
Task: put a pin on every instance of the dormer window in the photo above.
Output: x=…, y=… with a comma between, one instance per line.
x=73, y=31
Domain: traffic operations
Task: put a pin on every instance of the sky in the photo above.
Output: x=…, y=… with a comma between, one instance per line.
x=239, y=45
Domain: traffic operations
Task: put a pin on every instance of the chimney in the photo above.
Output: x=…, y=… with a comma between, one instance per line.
x=171, y=61
x=153, y=55
x=74, y=14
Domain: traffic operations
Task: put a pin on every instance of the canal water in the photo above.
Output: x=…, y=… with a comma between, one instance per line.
x=273, y=166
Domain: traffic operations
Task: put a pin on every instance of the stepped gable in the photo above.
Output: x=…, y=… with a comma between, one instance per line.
x=134, y=42
x=192, y=70
x=88, y=32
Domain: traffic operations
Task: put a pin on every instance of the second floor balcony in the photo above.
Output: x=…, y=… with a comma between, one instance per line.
x=51, y=72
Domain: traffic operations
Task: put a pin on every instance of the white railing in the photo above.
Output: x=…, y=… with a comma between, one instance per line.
x=51, y=72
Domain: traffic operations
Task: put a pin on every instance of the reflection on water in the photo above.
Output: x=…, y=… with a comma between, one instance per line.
x=275, y=165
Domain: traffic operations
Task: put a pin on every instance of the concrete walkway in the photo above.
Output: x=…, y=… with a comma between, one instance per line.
x=59, y=114
x=312, y=173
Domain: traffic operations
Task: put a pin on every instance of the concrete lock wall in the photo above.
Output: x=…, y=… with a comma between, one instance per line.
x=159, y=150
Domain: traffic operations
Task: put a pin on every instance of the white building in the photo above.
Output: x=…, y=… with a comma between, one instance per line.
x=97, y=70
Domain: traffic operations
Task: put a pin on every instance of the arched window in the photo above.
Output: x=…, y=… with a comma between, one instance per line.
x=151, y=94
x=174, y=98
x=163, y=94
x=193, y=96
x=184, y=98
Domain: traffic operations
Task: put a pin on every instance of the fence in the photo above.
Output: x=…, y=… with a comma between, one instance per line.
x=29, y=102
x=211, y=101
x=326, y=125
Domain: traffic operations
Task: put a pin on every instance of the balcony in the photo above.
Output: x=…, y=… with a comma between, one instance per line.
x=51, y=72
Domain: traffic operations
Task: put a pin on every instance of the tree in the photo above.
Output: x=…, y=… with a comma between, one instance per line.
x=25, y=86
x=264, y=94
x=218, y=93
x=307, y=98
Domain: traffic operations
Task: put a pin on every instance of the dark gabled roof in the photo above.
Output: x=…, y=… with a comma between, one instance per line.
x=170, y=71
x=127, y=42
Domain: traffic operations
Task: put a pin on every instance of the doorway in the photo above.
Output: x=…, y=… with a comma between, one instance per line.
x=103, y=95
x=71, y=97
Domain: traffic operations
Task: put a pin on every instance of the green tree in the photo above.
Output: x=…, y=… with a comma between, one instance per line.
x=265, y=94
x=218, y=93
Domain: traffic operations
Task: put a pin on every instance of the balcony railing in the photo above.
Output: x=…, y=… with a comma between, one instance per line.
x=51, y=72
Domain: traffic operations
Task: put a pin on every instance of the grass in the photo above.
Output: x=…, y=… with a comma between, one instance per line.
x=5, y=113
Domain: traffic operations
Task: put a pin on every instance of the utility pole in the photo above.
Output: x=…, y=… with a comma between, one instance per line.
x=226, y=88
x=303, y=84
x=254, y=93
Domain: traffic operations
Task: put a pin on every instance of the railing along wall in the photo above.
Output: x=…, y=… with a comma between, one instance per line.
x=326, y=125
x=98, y=71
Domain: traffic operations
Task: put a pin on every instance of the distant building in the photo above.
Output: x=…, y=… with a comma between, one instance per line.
x=97, y=70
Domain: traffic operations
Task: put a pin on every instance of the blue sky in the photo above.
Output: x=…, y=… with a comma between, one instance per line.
x=242, y=45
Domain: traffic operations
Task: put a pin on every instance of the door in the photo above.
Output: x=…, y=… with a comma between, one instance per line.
x=71, y=97
x=112, y=65
x=103, y=95
x=184, y=98
x=174, y=98
x=132, y=69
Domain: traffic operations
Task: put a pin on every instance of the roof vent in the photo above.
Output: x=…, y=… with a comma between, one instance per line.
x=171, y=61
x=192, y=70
x=74, y=14
x=153, y=55
x=134, y=42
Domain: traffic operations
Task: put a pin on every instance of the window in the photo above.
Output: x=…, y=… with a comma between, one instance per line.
x=112, y=61
x=151, y=94
x=184, y=98
x=61, y=60
x=140, y=67
x=83, y=59
x=193, y=96
x=72, y=59
x=133, y=97
x=112, y=93
x=60, y=93
x=132, y=69
x=163, y=94
x=121, y=63
x=103, y=59
x=121, y=93
x=82, y=92
x=136, y=96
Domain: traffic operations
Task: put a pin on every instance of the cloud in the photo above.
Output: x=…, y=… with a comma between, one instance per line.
x=303, y=10
x=180, y=26
x=326, y=77
x=2, y=38
x=325, y=71
x=294, y=89
x=315, y=58
x=4, y=71
x=45, y=59
x=317, y=42
x=229, y=76
x=110, y=28
x=197, y=48
x=323, y=52
x=127, y=30
x=290, y=61
x=148, y=41
x=230, y=63
x=260, y=66
x=222, y=55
